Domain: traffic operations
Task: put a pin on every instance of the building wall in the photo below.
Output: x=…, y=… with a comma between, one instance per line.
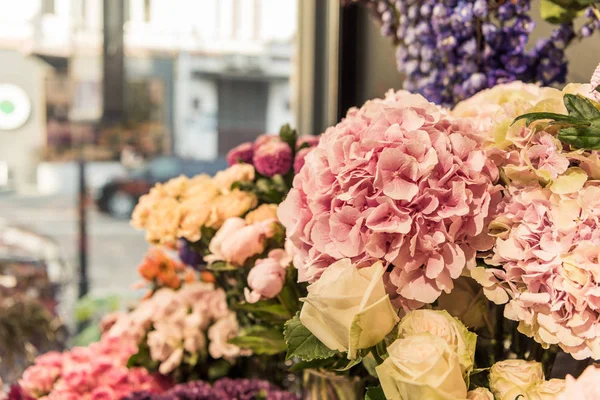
x=20, y=147
x=279, y=110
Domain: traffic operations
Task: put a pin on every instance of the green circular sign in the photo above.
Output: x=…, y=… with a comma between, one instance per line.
x=15, y=107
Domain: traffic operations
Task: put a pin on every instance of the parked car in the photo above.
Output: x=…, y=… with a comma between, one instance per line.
x=119, y=196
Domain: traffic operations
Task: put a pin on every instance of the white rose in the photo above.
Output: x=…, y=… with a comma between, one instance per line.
x=480, y=394
x=421, y=367
x=443, y=325
x=511, y=378
x=348, y=309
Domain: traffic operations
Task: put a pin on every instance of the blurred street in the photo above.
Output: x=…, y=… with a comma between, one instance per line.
x=114, y=247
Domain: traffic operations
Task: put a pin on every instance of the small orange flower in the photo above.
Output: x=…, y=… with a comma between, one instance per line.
x=158, y=266
x=207, y=276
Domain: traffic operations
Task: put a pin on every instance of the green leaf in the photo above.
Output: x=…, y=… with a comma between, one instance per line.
x=268, y=310
x=531, y=117
x=289, y=136
x=142, y=358
x=326, y=363
x=261, y=340
x=580, y=107
x=582, y=137
x=291, y=293
x=89, y=335
x=370, y=364
x=349, y=364
x=222, y=266
x=218, y=369
x=597, y=89
x=375, y=393
x=302, y=343
x=555, y=13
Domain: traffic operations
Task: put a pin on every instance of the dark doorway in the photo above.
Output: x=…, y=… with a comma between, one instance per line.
x=242, y=113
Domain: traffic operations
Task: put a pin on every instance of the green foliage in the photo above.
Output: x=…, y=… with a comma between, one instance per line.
x=580, y=128
x=269, y=311
x=302, y=343
x=562, y=11
x=143, y=359
x=261, y=340
x=218, y=369
x=375, y=393
x=582, y=137
x=292, y=292
x=556, y=14
x=580, y=107
x=288, y=135
x=221, y=266
x=532, y=117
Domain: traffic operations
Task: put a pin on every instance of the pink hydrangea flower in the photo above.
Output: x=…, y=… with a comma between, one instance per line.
x=397, y=180
x=548, y=253
x=273, y=158
x=585, y=387
x=242, y=153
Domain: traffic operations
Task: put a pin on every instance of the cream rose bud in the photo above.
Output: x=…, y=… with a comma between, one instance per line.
x=480, y=394
x=445, y=326
x=348, y=309
x=421, y=367
x=511, y=378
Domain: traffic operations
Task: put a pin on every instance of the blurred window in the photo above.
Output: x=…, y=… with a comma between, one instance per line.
x=164, y=168
x=48, y=6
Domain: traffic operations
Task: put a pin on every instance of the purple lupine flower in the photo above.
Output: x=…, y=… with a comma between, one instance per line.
x=223, y=389
x=444, y=39
x=273, y=158
x=241, y=154
x=189, y=256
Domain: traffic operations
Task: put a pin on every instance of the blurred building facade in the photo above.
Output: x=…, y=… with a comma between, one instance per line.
x=201, y=75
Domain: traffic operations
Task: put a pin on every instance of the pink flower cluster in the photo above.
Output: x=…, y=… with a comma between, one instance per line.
x=97, y=372
x=397, y=180
x=175, y=324
x=271, y=156
x=548, y=248
x=547, y=229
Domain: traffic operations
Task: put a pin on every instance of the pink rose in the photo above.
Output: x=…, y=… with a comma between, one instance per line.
x=235, y=242
x=50, y=359
x=265, y=279
x=38, y=380
x=78, y=379
x=103, y=393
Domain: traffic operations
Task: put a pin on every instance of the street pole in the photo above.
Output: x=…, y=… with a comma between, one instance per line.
x=82, y=225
